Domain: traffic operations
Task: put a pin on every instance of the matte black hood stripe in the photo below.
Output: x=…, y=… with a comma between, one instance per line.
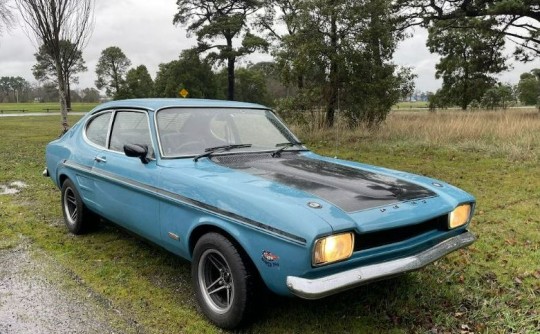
x=350, y=189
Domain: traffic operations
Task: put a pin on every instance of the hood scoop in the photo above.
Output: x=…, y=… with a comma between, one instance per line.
x=348, y=188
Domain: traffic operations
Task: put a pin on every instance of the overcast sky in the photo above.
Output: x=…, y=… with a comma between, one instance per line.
x=144, y=31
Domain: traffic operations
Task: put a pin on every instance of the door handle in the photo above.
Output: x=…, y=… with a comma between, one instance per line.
x=100, y=159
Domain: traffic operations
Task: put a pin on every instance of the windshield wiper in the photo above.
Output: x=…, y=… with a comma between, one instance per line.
x=211, y=150
x=284, y=146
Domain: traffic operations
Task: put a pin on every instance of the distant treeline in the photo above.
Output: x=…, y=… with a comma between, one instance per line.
x=18, y=89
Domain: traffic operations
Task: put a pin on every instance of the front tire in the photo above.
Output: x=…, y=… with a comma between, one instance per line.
x=222, y=280
x=76, y=216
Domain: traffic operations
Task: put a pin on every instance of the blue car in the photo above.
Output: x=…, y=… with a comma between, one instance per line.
x=228, y=187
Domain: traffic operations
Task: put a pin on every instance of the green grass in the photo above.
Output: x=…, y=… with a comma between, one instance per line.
x=410, y=105
x=493, y=286
x=13, y=108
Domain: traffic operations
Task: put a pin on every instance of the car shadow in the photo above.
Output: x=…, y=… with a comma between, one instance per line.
x=410, y=303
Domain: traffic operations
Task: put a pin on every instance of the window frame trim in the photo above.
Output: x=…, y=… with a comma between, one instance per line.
x=107, y=136
x=109, y=129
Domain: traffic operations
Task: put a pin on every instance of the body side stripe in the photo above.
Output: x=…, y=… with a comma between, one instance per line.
x=179, y=199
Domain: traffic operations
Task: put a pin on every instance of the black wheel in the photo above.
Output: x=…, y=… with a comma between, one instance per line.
x=223, y=281
x=76, y=215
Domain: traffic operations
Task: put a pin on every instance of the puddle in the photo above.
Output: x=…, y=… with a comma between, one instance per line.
x=12, y=188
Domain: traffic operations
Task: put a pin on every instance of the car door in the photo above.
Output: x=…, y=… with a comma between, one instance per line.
x=125, y=186
x=94, y=141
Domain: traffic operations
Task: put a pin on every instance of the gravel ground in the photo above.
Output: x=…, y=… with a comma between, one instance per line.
x=37, y=295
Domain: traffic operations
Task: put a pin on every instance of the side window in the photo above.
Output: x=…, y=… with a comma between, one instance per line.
x=97, y=129
x=130, y=127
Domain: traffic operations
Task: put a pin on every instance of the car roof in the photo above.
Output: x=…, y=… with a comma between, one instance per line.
x=156, y=104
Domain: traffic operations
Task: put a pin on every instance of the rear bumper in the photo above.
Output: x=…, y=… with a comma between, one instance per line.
x=328, y=285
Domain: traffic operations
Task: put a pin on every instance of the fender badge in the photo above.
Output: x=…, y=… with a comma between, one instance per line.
x=271, y=260
x=314, y=205
x=437, y=184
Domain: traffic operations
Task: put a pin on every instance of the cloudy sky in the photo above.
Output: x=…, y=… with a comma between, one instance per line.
x=144, y=31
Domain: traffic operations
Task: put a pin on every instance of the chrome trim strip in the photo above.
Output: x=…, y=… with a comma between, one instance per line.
x=179, y=199
x=331, y=284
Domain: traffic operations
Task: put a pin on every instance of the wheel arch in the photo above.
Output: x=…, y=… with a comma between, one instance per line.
x=62, y=178
x=205, y=228
x=63, y=173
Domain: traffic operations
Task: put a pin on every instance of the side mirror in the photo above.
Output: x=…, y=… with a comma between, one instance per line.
x=137, y=151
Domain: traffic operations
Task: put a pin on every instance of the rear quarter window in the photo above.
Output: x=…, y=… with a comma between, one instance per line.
x=98, y=128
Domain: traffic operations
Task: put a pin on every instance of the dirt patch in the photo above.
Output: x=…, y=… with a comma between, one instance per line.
x=37, y=295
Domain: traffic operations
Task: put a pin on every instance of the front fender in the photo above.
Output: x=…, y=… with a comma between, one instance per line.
x=274, y=258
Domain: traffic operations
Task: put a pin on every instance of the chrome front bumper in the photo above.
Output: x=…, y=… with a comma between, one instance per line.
x=328, y=285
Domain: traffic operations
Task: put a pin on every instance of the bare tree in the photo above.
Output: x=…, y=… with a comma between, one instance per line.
x=6, y=16
x=53, y=21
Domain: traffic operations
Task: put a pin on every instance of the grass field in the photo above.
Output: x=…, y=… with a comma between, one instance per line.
x=493, y=286
x=410, y=105
x=13, y=108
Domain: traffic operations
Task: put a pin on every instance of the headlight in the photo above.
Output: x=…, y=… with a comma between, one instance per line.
x=459, y=216
x=333, y=248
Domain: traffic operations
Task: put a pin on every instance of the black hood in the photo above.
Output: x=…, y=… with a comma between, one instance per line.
x=348, y=188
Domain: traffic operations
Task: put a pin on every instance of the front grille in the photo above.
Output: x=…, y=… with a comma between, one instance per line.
x=364, y=241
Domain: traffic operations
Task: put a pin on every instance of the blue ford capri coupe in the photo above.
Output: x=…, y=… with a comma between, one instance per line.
x=227, y=186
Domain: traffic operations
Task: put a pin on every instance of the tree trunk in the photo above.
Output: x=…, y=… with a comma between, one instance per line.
x=464, y=97
x=331, y=103
x=300, y=81
x=374, y=116
x=68, y=95
x=230, y=78
x=62, y=97
x=230, y=71
x=333, y=75
x=116, y=81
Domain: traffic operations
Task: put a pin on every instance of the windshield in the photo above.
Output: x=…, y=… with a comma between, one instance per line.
x=189, y=131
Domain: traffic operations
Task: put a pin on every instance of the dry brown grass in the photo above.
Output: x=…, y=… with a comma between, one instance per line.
x=511, y=133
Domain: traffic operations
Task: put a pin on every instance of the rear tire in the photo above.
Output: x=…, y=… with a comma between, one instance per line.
x=77, y=217
x=223, y=281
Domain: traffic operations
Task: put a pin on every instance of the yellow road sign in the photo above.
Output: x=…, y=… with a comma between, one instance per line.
x=183, y=92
